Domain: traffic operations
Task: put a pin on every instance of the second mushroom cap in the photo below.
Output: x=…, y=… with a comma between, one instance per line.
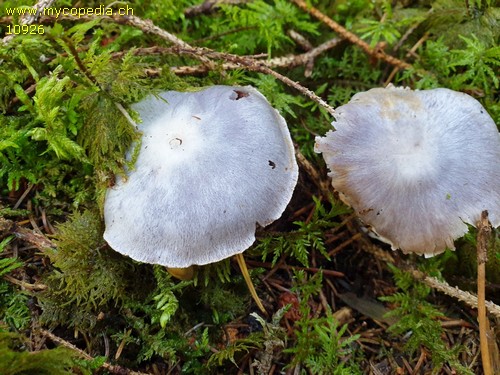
x=415, y=165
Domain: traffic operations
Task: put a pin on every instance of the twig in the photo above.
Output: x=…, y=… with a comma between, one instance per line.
x=351, y=37
x=408, y=33
x=143, y=51
x=114, y=369
x=20, y=200
x=483, y=236
x=150, y=28
x=300, y=39
x=257, y=66
x=287, y=267
x=126, y=115
x=80, y=63
x=378, y=252
x=122, y=344
x=24, y=284
x=39, y=240
x=277, y=62
x=461, y=295
x=344, y=244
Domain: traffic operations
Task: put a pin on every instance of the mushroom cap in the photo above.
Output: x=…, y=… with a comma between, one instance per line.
x=211, y=165
x=415, y=165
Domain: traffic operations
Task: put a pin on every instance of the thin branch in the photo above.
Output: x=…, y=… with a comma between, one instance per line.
x=410, y=53
x=80, y=63
x=257, y=66
x=351, y=37
x=461, y=295
x=277, y=62
x=204, y=55
x=126, y=115
x=24, y=284
x=149, y=28
x=331, y=273
x=114, y=369
x=322, y=184
x=38, y=240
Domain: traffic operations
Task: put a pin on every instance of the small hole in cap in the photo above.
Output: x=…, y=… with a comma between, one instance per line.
x=238, y=94
x=174, y=143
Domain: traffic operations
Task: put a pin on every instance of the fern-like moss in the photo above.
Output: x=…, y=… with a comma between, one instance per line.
x=417, y=317
x=321, y=345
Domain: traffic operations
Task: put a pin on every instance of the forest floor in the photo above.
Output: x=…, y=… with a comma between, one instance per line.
x=337, y=300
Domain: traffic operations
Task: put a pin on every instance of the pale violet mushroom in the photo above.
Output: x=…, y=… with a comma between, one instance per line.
x=212, y=165
x=417, y=166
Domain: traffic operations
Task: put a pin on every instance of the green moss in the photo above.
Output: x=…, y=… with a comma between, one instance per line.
x=16, y=361
x=63, y=135
x=87, y=277
x=14, y=312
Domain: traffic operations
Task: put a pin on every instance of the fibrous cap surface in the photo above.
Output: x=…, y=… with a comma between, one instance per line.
x=212, y=164
x=415, y=165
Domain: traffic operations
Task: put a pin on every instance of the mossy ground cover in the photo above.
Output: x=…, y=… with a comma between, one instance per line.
x=338, y=301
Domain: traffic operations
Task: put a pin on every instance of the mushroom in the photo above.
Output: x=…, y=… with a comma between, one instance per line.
x=211, y=165
x=417, y=166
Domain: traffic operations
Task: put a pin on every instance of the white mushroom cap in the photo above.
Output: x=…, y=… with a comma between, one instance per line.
x=415, y=165
x=212, y=164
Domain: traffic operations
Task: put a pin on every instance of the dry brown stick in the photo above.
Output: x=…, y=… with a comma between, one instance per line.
x=351, y=37
x=287, y=267
x=277, y=62
x=300, y=39
x=281, y=62
x=257, y=66
x=204, y=55
x=24, y=284
x=344, y=244
x=148, y=27
x=483, y=236
x=39, y=240
x=114, y=369
x=143, y=51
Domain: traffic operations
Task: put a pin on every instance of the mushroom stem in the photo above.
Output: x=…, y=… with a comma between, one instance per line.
x=244, y=270
x=181, y=273
x=483, y=234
